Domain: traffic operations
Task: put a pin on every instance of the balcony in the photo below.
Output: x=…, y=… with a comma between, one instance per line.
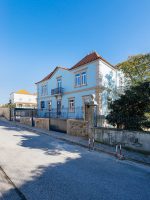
x=57, y=91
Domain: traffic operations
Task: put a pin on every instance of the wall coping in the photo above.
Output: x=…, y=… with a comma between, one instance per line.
x=113, y=129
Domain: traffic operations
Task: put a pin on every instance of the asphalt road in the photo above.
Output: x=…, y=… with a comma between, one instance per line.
x=44, y=168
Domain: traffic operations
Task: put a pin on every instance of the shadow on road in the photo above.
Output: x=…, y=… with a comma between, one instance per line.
x=73, y=173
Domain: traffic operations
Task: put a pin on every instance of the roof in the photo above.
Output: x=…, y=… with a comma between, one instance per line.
x=89, y=58
x=50, y=75
x=22, y=92
x=25, y=92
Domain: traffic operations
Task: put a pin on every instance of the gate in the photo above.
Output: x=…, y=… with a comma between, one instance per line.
x=17, y=113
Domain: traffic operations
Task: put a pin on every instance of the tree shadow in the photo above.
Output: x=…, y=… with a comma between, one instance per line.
x=72, y=173
x=9, y=127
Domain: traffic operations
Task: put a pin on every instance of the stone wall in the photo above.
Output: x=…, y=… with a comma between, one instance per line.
x=42, y=123
x=4, y=112
x=58, y=124
x=77, y=127
x=136, y=140
x=26, y=121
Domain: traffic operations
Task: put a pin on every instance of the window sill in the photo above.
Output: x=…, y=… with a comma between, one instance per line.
x=80, y=86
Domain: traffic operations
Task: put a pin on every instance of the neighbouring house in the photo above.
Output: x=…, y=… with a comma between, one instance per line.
x=65, y=90
x=23, y=99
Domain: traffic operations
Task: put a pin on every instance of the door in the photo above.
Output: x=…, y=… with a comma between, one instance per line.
x=58, y=107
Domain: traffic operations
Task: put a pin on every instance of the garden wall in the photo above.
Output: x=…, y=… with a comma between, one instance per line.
x=4, y=112
x=77, y=127
x=26, y=121
x=136, y=140
x=43, y=123
x=58, y=124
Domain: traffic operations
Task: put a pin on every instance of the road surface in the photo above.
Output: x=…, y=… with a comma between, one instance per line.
x=44, y=168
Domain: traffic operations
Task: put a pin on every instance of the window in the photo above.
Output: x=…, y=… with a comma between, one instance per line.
x=80, y=79
x=59, y=82
x=72, y=105
x=83, y=78
x=50, y=105
x=44, y=90
x=77, y=80
x=42, y=104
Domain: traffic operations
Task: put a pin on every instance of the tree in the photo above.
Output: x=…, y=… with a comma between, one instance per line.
x=9, y=105
x=136, y=68
x=132, y=109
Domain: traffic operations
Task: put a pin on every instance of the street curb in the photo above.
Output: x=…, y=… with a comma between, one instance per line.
x=20, y=194
x=41, y=131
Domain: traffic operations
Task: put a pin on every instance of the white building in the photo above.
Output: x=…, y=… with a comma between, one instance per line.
x=23, y=99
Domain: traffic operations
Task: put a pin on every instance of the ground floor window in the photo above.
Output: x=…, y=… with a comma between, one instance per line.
x=109, y=100
x=72, y=105
x=49, y=103
x=42, y=104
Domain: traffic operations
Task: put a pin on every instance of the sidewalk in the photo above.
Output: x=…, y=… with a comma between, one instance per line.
x=129, y=155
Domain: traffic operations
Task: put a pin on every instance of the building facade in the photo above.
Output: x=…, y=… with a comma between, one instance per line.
x=65, y=90
x=23, y=99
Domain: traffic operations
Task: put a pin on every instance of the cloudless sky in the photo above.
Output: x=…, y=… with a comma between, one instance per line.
x=37, y=35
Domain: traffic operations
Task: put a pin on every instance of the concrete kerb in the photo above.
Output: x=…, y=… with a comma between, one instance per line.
x=42, y=131
x=18, y=191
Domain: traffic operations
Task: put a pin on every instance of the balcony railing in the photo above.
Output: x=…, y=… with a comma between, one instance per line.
x=57, y=91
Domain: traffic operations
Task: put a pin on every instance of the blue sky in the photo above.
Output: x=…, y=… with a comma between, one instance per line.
x=37, y=35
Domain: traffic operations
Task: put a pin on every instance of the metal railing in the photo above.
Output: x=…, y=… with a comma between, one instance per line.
x=57, y=91
x=63, y=113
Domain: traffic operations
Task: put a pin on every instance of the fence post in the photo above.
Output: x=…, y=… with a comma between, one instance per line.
x=32, y=118
x=14, y=114
x=10, y=114
x=49, y=118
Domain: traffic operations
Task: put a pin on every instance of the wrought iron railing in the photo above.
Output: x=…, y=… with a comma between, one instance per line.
x=57, y=91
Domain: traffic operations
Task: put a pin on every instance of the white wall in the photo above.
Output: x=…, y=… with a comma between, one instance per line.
x=23, y=99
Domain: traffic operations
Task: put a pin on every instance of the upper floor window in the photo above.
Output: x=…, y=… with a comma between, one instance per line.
x=44, y=90
x=77, y=80
x=80, y=79
x=83, y=78
x=59, y=83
